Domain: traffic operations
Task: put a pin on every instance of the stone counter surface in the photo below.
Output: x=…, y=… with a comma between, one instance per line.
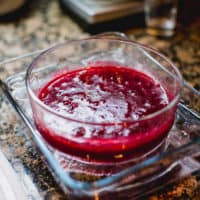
x=44, y=26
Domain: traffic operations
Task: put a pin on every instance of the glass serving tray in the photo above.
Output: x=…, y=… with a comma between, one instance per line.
x=180, y=158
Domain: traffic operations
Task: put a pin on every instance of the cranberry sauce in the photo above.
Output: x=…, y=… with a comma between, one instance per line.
x=105, y=95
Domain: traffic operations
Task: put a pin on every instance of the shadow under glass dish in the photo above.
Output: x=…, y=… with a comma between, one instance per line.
x=113, y=143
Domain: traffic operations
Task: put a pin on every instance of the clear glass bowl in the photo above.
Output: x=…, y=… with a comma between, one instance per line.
x=146, y=134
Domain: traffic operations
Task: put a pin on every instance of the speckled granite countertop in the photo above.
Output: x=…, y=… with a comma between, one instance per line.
x=44, y=26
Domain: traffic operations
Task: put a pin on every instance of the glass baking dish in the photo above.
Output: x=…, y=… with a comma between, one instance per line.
x=180, y=158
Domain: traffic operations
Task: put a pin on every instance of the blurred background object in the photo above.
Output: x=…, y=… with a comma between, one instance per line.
x=160, y=17
x=12, y=9
x=102, y=15
x=96, y=16
x=189, y=11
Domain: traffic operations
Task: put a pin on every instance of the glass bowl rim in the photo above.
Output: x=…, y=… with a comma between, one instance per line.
x=143, y=118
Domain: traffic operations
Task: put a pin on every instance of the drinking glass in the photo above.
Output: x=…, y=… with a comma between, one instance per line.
x=160, y=17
